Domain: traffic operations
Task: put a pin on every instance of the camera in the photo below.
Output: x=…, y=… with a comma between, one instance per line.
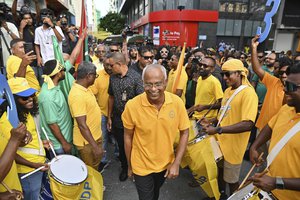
x=196, y=60
x=128, y=31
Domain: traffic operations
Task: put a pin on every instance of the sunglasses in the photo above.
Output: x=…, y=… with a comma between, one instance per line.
x=228, y=73
x=26, y=98
x=164, y=52
x=291, y=87
x=242, y=57
x=114, y=50
x=204, y=65
x=281, y=73
x=148, y=57
x=260, y=57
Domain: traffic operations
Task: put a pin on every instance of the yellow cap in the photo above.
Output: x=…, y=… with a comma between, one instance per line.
x=19, y=86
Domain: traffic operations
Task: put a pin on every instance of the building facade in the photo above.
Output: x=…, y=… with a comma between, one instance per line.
x=234, y=22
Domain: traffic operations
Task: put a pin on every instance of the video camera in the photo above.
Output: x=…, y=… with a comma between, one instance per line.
x=128, y=31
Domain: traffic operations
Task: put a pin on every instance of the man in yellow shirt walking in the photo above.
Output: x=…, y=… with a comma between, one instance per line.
x=151, y=122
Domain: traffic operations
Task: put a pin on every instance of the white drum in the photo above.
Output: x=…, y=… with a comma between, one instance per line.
x=68, y=170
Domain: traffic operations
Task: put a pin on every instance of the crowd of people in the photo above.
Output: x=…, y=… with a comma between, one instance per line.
x=144, y=99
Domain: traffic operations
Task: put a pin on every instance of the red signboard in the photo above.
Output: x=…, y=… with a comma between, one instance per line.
x=176, y=33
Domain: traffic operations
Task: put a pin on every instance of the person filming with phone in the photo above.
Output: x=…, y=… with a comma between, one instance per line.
x=18, y=64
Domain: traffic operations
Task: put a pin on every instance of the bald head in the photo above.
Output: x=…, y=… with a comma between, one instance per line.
x=154, y=67
x=119, y=57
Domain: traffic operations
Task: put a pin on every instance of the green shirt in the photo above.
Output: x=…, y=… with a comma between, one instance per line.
x=54, y=108
x=261, y=89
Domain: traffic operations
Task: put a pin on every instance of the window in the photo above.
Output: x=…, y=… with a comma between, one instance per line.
x=221, y=27
x=229, y=27
x=237, y=27
x=248, y=28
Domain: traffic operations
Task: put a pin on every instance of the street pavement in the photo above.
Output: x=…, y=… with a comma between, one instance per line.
x=177, y=189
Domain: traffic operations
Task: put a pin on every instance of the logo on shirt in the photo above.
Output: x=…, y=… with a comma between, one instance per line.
x=172, y=114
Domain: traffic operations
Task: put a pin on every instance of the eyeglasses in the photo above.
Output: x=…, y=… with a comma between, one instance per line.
x=114, y=50
x=281, y=73
x=291, y=87
x=242, y=57
x=227, y=73
x=164, y=52
x=151, y=85
x=260, y=57
x=95, y=74
x=100, y=51
x=26, y=98
x=148, y=57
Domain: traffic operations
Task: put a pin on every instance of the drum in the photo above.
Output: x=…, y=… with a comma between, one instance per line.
x=250, y=192
x=68, y=170
x=65, y=169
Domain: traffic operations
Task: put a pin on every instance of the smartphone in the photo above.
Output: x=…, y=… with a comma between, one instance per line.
x=29, y=47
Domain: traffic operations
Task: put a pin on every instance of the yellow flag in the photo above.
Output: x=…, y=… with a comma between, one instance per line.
x=91, y=188
x=178, y=70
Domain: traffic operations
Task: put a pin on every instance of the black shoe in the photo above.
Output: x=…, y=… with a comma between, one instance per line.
x=102, y=166
x=223, y=196
x=123, y=175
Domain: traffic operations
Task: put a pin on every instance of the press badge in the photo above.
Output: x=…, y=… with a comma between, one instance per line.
x=124, y=96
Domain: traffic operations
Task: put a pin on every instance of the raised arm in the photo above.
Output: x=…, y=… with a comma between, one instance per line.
x=254, y=59
x=77, y=48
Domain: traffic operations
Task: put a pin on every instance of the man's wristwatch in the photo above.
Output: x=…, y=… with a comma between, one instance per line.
x=279, y=183
x=9, y=32
x=219, y=130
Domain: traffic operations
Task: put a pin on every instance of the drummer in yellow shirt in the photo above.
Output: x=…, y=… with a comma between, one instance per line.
x=181, y=88
x=234, y=130
x=283, y=179
x=8, y=148
x=208, y=92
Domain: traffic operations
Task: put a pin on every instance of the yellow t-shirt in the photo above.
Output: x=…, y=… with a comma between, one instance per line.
x=11, y=179
x=154, y=131
x=207, y=92
x=98, y=64
x=289, y=157
x=82, y=102
x=243, y=107
x=100, y=89
x=182, y=82
x=13, y=64
x=273, y=100
x=34, y=144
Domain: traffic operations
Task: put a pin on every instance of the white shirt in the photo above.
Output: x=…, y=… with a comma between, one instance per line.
x=8, y=39
x=43, y=37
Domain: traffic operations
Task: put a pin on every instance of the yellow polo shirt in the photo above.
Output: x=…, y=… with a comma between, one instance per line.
x=289, y=157
x=154, y=131
x=207, y=92
x=11, y=178
x=82, y=102
x=182, y=82
x=13, y=64
x=100, y=90
x=34, y=144
x=273, y=100
x=243, y=107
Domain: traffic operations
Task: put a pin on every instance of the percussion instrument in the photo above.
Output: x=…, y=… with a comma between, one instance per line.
x=68, y=170
x=250, y=192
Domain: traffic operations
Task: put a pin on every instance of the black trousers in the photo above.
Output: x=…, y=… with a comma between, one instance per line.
x=119, y=136
x=148, y=186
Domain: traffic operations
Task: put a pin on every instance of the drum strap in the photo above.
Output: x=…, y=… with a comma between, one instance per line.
x=240, y=88
x=39, y=151
x=279, y=146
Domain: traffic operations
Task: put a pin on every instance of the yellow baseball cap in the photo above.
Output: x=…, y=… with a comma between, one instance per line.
x=19, y=86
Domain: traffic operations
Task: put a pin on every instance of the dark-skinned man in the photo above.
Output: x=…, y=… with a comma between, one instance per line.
x=235, y=120
x=87, y=134
x=151, y=123
x=181, y=88
x=283, y=177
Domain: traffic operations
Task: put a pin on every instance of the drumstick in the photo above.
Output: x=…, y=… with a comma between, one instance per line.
x=10, y=191
x=209, y=109
x=51, y=147
x=252, y=168
x=30, y=173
